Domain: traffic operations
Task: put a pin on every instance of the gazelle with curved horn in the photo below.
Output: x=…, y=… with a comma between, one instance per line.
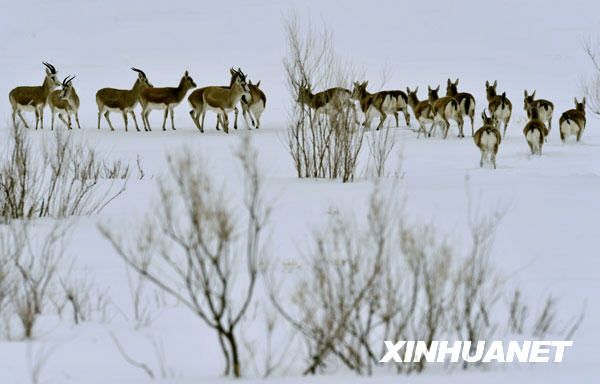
x=219, y=99
x=121, y=100
x=65, y=102
x=33, y=98
x=165, y=98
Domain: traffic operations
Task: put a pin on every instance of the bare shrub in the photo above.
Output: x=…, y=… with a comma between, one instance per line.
x=33, y=267
x=194, y=250
x=63, y=179
x=591, y=85
x=321, y=147
x=392, y=279
x=381, y=144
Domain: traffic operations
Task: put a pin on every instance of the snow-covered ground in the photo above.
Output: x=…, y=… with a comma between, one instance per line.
x=548, y=242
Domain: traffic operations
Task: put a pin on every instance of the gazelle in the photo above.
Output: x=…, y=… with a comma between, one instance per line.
x=572, y=122
x=166, y=98
x=499, y=106
x=445, y=109
x=33, y=98
x=65, y=102
x=422, y=109
x=544, y=107
x=254, y=105
x=330, y=102
x=380, y=104
x=488, y=138
x=535, y=132
x=219, y=99
x=466, y=101
x=121, y=100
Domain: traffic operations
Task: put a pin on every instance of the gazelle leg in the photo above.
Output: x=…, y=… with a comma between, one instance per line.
x=107, y=117
x=52, y=120
x=22, y=118
x=406, y=117
x=203, y=116
x=236, y=117
x=165, y=119
x=481, y=160
x=225, y=121
x=172, y=118
x=70, y=125
x=471, y=117
x=396, y=117
x=99, y=117
x=62, y=118
x=137, y=128
x=37, y=118
x=42, y=118
x=125, y=119
x=77, y=120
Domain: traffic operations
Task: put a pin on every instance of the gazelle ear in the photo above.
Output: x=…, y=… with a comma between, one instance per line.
x=407, y=90
x=583, y=101
x=417, y=89
x=257, y=83
x=576, y=101
x=365, y=83
x=449, y=81
x=487, y=83
x=525, y=93
x=186, y=74
x=495, y=83
x=429, y=88
x=456, y=82
x=533, y=94
x=438, y=88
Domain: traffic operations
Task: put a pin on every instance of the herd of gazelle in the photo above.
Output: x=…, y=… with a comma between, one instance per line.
x=434, y=112
x=65, y=101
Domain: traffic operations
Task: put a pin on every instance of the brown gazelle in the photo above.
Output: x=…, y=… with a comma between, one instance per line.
x=254, y=105
x=422, y=110
x=572, y=122
x=535, y=132
x=380, y=104
x=545, y=108
x=165, y=98
x=445, y=109
x=488, y=138
x=65, y=102
x=220, y=99
x=121, y=100
x=330, y=102
x=499, y=106
x=33, y=98
x=466, y=101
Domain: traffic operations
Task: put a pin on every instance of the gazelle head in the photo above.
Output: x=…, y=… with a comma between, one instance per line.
x=142, y=78
x=433, y=93
x=304, y=93
x=490, y=89
x=452, y=87
x=489, y=120
x=187, y=82
x=238, y=77
x=51, y=75
x=528, y=100
x=359, y=90
x=67, y=87
x=580, y=106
